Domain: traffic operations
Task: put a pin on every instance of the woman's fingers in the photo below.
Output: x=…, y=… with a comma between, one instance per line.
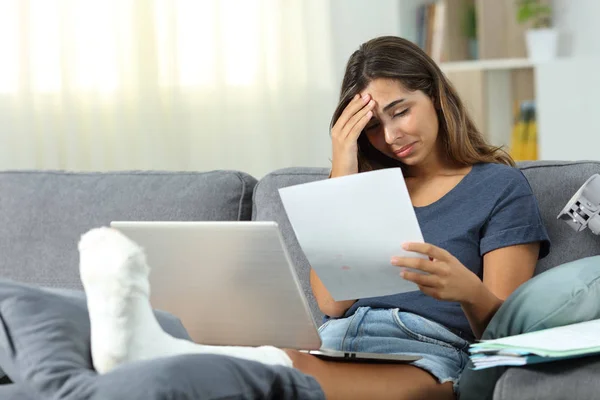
x=420, y=264
x=355, y=105
x=428, y=249
x=357, y=123
x=420, y=279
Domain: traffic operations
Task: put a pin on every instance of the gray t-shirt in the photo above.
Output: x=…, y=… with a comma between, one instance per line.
x=490, y=208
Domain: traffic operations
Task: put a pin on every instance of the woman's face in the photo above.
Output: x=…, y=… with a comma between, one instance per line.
x=404, y=125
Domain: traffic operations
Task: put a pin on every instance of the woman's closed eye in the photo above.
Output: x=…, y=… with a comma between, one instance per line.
x=371, y=127
x=398, y=114
x=401, y=113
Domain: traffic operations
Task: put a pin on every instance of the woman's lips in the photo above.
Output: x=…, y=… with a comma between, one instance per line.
x=404, y=150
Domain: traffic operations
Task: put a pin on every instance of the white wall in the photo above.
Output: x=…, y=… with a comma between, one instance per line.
x=566, y=89
x=568, y=109
x=353, y=22
x=579, y=23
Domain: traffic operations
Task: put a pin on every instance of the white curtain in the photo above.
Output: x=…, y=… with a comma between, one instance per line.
x=165, y=84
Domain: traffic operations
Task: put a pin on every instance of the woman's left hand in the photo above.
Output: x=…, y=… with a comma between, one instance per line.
x=446, y=279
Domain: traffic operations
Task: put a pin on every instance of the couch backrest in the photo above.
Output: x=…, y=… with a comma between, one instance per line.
x=43, y=214
x=553, y=184
x=267, y=206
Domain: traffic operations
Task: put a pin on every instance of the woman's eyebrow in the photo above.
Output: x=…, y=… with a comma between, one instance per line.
x=392, y=104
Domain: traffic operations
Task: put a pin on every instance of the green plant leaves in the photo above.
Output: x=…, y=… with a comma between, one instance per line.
x=532, y=11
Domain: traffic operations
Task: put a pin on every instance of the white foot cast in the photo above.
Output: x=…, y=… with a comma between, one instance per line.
x=114, y=274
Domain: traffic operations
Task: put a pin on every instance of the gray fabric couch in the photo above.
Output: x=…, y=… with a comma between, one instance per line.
x=42, y=215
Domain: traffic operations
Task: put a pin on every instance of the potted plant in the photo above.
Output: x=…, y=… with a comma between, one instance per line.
x=470, y=30
x=541, y=38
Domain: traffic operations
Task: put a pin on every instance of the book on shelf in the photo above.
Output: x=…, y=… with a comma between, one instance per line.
x=431, y=27
x=547, y=345
x=524, y=141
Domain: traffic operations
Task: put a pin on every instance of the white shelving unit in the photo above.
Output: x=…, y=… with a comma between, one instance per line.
x=487, y=65
x=564, y=90
x=491, y=91
x=492, y=86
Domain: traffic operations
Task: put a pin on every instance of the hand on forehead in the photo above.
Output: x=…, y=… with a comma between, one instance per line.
x=386, y=93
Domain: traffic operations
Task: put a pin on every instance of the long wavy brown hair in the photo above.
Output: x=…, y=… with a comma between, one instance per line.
x=395, y=58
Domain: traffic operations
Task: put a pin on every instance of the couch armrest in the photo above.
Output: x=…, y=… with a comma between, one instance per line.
x=569, y=379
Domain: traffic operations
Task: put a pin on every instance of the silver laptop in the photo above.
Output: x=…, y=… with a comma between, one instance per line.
x=232, y=283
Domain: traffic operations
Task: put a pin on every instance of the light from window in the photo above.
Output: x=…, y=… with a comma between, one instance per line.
x=241, y=29
x=93, y=45
x=195, y=42
x=9, y=46
x=45, y=45
x=94, y=32
x=211, y=42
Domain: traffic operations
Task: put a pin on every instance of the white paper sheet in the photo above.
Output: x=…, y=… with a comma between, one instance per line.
x=563, y=339
x=350, y=227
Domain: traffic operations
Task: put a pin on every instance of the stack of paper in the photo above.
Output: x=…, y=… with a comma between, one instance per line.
x=569, y=341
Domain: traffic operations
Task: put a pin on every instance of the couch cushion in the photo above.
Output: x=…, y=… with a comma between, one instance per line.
x=45, y=349
x=43, y=214
x=564, y=295
x=15, y=392
x=45, y=333
x=570, y=379
x=267, y=206
x=554, y=183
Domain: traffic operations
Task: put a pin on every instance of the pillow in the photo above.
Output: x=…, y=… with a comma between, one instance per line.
x=14, y=392
x=60, y=318
x=566, y=294
x=206, y=377
x=45, y=349
x=169, y=322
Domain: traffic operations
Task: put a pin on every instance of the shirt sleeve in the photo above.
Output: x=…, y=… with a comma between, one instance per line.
x=515, y=218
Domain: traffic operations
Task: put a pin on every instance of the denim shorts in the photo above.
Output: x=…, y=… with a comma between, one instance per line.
x=444, y=354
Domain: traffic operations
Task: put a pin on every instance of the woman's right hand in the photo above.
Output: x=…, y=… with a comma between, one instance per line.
x=345, y=133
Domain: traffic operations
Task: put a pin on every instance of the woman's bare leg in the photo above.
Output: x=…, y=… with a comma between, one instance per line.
x=349, y=381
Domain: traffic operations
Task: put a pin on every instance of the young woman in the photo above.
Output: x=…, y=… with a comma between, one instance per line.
x=479, y=218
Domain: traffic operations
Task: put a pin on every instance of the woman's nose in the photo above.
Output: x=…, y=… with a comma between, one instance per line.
x=391, y=134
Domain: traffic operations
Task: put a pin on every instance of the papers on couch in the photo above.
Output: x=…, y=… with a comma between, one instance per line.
x=569, y=341
x=350, y=227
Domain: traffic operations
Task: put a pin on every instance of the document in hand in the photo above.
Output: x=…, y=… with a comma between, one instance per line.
x=569, y=341
x=349, y=229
